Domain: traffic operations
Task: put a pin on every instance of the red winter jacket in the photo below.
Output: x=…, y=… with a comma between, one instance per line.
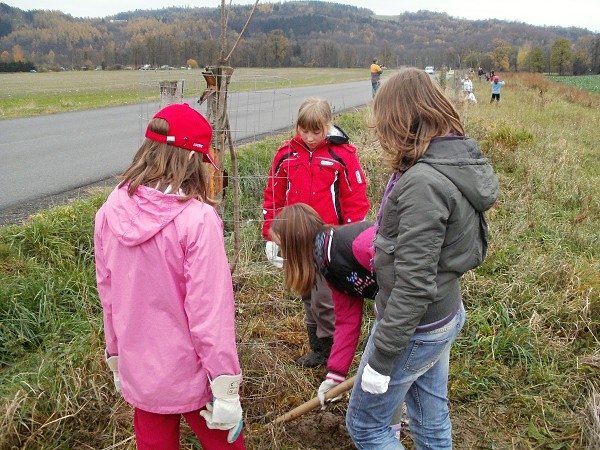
x=328, y=178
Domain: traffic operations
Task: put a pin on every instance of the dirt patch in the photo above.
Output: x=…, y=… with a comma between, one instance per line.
x=320, y=430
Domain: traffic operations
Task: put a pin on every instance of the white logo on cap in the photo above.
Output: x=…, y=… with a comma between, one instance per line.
x=198, y=145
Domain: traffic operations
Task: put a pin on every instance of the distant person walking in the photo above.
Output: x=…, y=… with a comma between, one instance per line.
x=496, y=86
x=376, y=71
x=480, y=74
x=467, y=85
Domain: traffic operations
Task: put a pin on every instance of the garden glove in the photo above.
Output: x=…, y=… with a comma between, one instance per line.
x=113, y=365
x=331, y=381
x=272, y=251
x=373, y=382
x=234, y=432
x=225, y=411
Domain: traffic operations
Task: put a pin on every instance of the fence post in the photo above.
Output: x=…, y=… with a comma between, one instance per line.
x=170, y=92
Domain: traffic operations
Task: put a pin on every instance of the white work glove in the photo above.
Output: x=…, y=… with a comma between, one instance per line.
x=113, y=365
x=326, y=386
x=373, y=382
x=225, y=411
x=272, y=252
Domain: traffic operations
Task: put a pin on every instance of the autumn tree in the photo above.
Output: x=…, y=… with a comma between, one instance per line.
x=500, y=54
x=513, y=58
x=349, y=56
x=17, y=53
x=536, y=60
x=280, y=46
x=472, y=59
x=583, y=55
x=580, y=62
x=595, y=55
x=523, y=57
x=386, y=53
x=273, y=49
x=560, y=57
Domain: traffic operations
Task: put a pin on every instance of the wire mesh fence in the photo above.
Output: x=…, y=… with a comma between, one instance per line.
x=269, y=320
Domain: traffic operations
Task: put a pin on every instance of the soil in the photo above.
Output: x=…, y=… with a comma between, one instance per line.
x=319, y=430
x=326, y=430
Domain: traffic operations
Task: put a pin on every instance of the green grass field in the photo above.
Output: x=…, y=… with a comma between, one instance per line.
x=586, y=82
x=525, y=371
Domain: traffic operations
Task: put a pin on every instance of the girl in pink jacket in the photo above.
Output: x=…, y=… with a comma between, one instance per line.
x=165, y=286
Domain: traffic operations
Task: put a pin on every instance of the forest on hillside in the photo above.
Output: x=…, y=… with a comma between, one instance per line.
x=290, y=34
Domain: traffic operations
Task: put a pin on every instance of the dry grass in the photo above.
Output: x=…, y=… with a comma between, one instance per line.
x=524, y=372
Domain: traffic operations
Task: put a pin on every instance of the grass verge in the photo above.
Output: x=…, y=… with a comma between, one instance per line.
x=524, y=372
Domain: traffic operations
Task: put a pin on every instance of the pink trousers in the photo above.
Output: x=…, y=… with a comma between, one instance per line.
x=161, y=432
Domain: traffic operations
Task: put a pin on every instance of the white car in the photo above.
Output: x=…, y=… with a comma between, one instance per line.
x=429, y=70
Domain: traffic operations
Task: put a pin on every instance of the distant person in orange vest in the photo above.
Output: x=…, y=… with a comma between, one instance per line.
x=376, y=71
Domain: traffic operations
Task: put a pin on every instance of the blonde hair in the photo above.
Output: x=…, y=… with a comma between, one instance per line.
x=408, y=111
x=314, y=115
x=163, y=166
x=296, y=227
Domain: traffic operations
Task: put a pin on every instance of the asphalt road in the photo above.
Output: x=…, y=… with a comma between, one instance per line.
x=51, y=155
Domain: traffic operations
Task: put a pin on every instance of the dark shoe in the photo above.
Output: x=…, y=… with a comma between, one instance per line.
x=321, y=348
x=311, y=359
x=324, y=347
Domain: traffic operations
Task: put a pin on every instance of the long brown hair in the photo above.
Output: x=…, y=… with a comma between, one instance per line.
x=408, y=111
x=163, y=166
x=295, y=228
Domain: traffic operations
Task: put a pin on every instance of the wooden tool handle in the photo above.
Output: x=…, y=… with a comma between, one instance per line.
x=314, y=402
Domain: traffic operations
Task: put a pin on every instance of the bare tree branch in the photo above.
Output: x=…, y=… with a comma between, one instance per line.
x=243, y=31
x=223, y=32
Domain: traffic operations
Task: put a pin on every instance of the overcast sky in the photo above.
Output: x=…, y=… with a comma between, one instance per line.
x=578, y=13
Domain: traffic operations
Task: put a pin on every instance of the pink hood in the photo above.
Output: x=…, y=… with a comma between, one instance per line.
x=134, y=220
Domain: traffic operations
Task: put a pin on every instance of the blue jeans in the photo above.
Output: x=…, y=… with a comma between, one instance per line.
x=419, y=377
x=374, y=87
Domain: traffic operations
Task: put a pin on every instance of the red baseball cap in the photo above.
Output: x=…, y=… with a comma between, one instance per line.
x=188, y=129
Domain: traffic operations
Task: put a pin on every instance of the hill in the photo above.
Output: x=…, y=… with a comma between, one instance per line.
x=296, y=33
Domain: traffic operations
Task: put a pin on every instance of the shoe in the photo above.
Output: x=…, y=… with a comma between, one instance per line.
x=320, y=350
x=400, y=421
x=311, y=359
x=397, y=429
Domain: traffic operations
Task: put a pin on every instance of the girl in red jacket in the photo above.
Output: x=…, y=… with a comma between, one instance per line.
x=318, y=167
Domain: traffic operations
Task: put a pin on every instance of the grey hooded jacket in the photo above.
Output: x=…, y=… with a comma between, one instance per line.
x=432, y=230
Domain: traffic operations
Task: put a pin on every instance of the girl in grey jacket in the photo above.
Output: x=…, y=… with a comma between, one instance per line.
x=431, y=230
